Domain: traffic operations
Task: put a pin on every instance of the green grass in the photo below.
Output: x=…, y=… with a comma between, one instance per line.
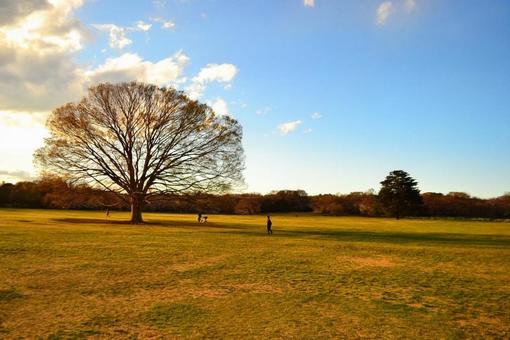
x=66, y=274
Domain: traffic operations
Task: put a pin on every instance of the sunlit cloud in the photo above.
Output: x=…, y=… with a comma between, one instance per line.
x=39, y=32
x=130, y=66
x=117, y=35
x=383, y=12
x=37, y=54
x=11, y=11
x=15, y=175
x=221, y=73
x=20, y=134
x=288, y=127
x=220, y=107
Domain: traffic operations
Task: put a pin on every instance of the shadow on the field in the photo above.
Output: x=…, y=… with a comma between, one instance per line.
x=149, y=223
x=339, y=235
x=89, y=221
x=389, y=237
x=402, y=237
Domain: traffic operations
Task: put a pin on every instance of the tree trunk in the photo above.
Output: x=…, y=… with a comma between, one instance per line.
x=137, y=204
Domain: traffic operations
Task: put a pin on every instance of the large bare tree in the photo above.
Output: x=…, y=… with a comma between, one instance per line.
x=140, y=141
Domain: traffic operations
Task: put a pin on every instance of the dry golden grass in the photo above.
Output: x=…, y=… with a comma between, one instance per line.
x=79, y=275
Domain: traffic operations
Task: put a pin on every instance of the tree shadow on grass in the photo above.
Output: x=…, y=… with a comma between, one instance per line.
x=89, y=221
x=150, y=223
x=338, y=235
x=401, y=237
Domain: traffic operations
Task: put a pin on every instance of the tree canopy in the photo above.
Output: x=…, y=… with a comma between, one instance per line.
x=140, y=140
x=399, y=194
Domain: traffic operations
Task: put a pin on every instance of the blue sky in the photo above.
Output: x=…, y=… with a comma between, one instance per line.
x=332, y=95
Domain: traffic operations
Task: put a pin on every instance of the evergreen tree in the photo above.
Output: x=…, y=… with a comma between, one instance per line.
x=399, y=194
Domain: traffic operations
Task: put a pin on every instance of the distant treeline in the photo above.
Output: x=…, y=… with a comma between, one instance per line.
x=54, y=193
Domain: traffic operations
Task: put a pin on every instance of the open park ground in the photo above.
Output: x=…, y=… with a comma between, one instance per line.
x=69, y=274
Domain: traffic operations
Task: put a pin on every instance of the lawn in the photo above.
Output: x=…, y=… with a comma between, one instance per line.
x=67, y=274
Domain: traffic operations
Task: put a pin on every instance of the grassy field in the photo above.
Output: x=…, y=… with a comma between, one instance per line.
x=70, y=274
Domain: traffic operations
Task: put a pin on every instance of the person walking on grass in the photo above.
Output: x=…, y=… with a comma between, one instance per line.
x=269, y=225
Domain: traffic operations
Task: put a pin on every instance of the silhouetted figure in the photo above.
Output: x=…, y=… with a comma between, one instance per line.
x=205, y=219
x=269, y=226
x=199, y=217
x=107, y=212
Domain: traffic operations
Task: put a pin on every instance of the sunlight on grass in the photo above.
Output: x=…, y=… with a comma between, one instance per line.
x=72, y=274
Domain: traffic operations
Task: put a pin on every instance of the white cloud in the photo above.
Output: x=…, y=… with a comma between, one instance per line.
x=387, y=9
x=410, y=5
x=220, y=107
x=117, y=35
x=143, y=26
x=130, y=66
x=165, y=24
x=288, y=127
x=221, y=73
x=383, y=12
x=316, y=115
x=309, y=3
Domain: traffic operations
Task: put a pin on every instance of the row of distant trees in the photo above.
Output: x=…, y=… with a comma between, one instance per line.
x=55, y=193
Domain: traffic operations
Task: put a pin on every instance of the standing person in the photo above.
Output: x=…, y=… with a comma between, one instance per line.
x=199, y=217
x=107, y=212
x=269, y=225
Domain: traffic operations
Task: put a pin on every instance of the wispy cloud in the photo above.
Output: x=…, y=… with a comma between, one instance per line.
x=383, y=12
x=389, y=8
x=263, y=111
x=309, y=3
x=316, y=115
x=159, y=3
x=410, y=5
x=288, y=127
x=118, y=35
x=165, y=24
